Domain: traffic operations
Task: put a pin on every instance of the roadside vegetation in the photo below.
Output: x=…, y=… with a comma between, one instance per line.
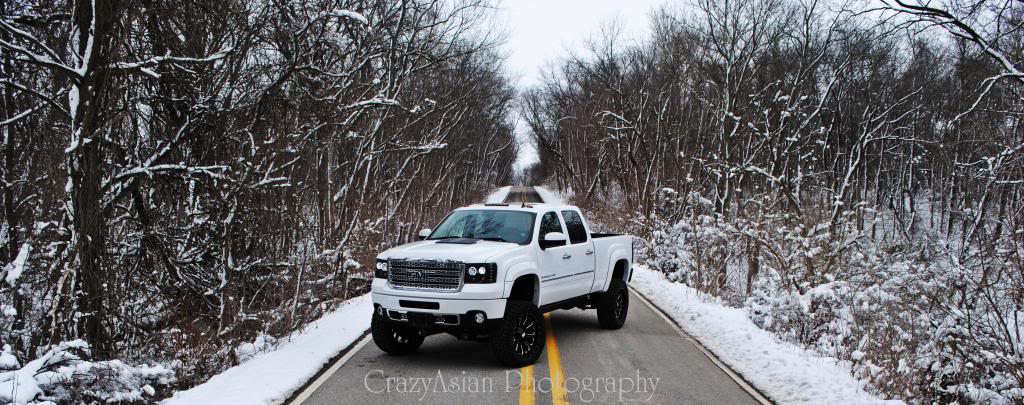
x=853, y=178
x=181, y=179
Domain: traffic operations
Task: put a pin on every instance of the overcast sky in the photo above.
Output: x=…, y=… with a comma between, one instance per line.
x=543, y=31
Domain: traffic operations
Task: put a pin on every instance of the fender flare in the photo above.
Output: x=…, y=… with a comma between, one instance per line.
x=614, y=257
x=516, y=271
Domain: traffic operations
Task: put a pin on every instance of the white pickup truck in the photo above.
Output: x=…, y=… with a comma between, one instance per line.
x=488, y=272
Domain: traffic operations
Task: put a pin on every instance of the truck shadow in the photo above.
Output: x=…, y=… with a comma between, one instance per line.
x=445, y=352
x=574, y=321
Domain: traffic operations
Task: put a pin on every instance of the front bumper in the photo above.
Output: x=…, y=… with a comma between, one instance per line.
x=493, y=308
x=473, y=297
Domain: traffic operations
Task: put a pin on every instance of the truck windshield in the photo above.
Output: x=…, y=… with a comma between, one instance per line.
x=495, y=225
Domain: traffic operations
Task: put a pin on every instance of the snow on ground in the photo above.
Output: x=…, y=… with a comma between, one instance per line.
x=498, y=196
x=783, y=371
x=550, y=197
x=273, y=376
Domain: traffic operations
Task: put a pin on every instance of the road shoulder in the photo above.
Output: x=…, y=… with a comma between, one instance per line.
x=736, y=377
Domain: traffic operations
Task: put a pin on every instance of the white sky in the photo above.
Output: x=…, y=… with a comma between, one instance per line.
x=541, y=32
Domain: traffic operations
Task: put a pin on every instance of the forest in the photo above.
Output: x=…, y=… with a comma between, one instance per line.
x=850, y=174
x=180, y=178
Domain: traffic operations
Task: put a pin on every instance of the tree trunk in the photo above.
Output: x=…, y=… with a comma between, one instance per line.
x=85, y=165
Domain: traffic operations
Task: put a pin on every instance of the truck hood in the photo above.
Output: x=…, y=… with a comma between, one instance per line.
x=478, y=252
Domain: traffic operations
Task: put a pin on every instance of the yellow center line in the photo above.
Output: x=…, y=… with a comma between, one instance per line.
x=526, y=390
x=558, y=396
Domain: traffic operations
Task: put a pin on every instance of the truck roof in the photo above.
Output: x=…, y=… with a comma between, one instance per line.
x=527, y=207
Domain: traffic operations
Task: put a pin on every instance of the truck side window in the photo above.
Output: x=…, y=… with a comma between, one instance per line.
x=549, y=223
x=573, y=222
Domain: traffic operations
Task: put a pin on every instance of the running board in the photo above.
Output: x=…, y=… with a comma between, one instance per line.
x=581, y=301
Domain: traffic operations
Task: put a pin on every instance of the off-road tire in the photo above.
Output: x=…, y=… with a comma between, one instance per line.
x=394, y=339
x=511, y=339
x=613, y=305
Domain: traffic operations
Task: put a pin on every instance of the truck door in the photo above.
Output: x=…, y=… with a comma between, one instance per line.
x=556, y=273
x=581, y=248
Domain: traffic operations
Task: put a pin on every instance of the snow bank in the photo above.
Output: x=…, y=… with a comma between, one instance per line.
x=498, y=196
x=550, y=197
x=783, y=371
x=272, y=377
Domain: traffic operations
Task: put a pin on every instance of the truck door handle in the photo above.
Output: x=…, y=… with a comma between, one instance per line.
x=590, y=252
x=566, y=256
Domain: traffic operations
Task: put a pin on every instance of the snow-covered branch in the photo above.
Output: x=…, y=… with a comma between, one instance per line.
x=146, y=65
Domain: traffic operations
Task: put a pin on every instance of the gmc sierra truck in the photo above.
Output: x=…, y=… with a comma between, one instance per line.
x=488, y=272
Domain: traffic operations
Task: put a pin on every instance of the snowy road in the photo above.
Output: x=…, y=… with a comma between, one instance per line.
x=647, y=361
x=523, y=194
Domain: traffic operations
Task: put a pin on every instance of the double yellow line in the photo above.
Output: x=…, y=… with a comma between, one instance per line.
x=527, y=390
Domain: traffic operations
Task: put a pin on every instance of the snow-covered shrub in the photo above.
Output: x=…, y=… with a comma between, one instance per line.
x=819, y=317
x=712, y=245
x=63, y=374
x=694, y=249
x=667, y=252
x=774, y=309
x=246, y=351
x=909, y=320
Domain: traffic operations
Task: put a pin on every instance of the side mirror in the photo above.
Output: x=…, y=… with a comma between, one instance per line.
x=553, y=239
x=424, y=233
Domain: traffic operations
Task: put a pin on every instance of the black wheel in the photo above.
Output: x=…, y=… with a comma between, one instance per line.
x=394, y=339
x=613, y=305
x=519, y=339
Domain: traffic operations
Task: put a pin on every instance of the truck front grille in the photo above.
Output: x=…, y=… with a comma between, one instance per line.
x=431, y=275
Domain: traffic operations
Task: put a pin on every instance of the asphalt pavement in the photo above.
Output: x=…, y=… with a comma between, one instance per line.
x=647, y=361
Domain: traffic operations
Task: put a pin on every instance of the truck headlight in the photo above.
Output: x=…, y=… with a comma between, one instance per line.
x=481, y=273
x=381, y=269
